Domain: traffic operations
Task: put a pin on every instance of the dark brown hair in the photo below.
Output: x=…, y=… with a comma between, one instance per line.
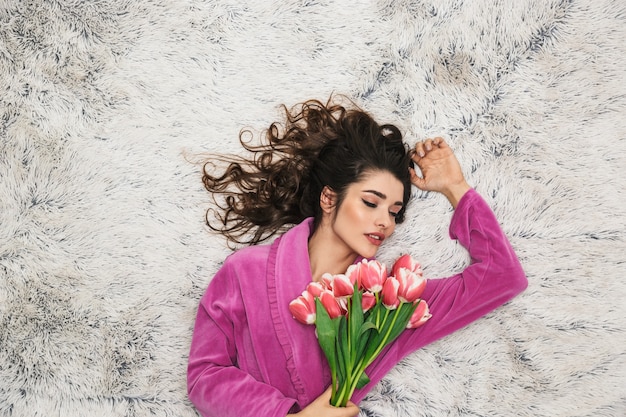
x=280, y=183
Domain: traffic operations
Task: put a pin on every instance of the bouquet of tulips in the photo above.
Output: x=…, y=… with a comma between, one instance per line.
x=358, y=313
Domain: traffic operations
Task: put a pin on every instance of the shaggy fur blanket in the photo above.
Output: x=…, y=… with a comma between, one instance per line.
x=106, y=108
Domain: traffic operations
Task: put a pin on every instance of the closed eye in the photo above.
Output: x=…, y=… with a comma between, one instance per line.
x=393, y=214
x=370, y=204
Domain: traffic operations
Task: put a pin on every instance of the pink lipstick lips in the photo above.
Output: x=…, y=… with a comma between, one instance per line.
x=375, y=238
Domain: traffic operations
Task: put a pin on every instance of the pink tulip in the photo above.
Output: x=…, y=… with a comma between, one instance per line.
x=411, y=285
x=369, y=274
x=315, y=288
x=303, y=308
x=405, y=261
x=390, y=293
x=353, y=273
x=341, y=286
x=343, y=305
x=331, y=304
x=420, y=316
x=327, y=281
x=368, y=300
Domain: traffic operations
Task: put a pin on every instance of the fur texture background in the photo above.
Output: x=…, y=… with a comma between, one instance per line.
x=106, y=106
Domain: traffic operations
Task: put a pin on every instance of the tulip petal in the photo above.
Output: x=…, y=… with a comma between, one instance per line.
x=301, y=310
x=412, y=285
x=330, y=303
x=315, y=289
x=342, y=286
x=390, y=293
x=368, y=274
x=368, y=301
x=406, y=261
x=327, y=281
x=420, y=315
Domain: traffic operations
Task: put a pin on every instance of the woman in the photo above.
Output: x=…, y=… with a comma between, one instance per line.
x=344, y=182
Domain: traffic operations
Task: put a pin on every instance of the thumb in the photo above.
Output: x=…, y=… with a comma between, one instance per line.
x=326, y=394
x=418, y=181
x=352, y=408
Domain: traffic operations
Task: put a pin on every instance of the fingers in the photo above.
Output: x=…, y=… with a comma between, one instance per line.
x=352, y=409
x=423, y=147
x=416, y=180
x=326, y=395
x=321, y=406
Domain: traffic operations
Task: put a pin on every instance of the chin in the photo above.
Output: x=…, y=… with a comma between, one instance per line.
x=369, y=253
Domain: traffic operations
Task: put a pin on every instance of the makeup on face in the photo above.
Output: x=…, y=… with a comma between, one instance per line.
x=366, y=217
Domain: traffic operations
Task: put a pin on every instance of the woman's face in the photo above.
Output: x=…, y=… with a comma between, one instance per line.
x=367, y=214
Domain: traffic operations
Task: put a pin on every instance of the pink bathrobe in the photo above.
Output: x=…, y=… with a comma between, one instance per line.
x=250, y=357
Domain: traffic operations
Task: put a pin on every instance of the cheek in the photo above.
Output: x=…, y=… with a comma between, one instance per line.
x=351, y=213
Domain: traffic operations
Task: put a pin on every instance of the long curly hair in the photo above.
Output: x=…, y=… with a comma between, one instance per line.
x=280, y=183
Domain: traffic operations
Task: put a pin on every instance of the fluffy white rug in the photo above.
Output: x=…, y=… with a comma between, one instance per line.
x=103, y=249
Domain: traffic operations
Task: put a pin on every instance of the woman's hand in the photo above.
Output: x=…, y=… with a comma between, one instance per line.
x=441, y=171
x=321, y=407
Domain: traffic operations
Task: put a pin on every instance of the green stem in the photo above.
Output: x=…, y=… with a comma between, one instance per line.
x=339, y=397
x=333, y=378
x=343, y=397
x=384, y=318
x=355, y=380
x=354, y=373
x=348, y=327
x=381, y=346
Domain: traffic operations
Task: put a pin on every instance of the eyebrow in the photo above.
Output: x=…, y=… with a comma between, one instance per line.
x=383, y=196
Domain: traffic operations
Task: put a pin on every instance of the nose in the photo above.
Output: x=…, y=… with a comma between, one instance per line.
x=382, y=221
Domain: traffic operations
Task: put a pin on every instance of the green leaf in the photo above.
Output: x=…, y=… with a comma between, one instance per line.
x=355, y=317
x=340, y=348
x=342, y=341
x=366, y=335
x=370, y=322
x=368, y=325
x=405, y=311
x=363, y=380
x=384, y=318
x=326, y=334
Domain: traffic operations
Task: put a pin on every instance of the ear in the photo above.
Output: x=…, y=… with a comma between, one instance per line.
x=328, y=198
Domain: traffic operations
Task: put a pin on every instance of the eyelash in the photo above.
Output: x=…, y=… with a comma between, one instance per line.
x=373, y=205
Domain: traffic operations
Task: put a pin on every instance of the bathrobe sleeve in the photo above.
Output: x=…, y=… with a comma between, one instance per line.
x=493, y=277
x=216, y=385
